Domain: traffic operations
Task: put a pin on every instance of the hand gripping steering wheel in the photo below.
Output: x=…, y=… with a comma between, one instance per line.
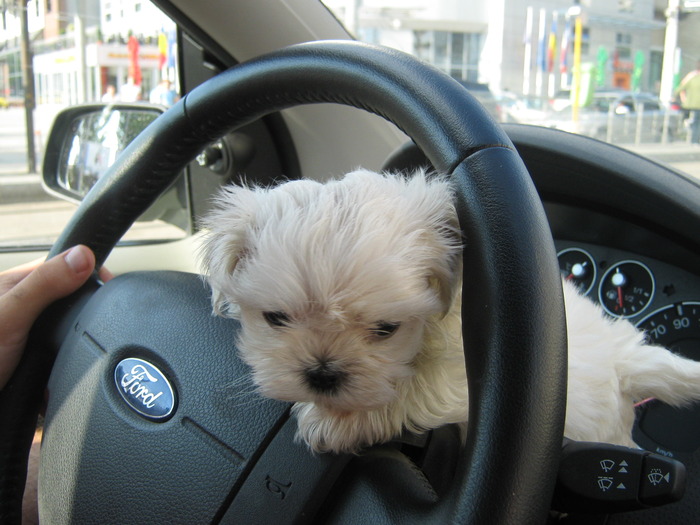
x=220, y=457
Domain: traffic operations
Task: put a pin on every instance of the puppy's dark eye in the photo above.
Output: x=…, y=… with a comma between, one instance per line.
x=384, y=329
x=276, y=319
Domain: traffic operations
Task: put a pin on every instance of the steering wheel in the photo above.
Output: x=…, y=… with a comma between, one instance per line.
x=222, y=454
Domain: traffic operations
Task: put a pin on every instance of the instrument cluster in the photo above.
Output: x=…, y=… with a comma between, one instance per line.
x=658, y=298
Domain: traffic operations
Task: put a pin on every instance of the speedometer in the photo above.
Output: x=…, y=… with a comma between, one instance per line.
x=659, y=427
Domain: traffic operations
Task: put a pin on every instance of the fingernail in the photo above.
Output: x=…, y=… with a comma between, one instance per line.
x=77, y=259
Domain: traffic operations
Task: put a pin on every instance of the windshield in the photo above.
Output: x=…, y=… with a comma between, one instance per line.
x=616, y=71
x=622, y=72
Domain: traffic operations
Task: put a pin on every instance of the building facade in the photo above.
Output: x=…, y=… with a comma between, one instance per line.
x=518, y=46
x=622, y=41
x=76, y=58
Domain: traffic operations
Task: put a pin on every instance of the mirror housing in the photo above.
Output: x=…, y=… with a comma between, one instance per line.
x=85, y=141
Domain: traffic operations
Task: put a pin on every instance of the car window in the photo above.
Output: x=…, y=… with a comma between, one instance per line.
x=649, y=104
x=625, y=105
x=81, y=52
x=601, y=104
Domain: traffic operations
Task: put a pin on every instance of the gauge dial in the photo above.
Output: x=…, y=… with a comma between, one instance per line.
x=578, y=266
x=660, y=427
x=626, y=289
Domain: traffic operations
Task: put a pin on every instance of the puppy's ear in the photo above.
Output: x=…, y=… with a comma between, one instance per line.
x=227, y=231
x=443, y=236
x=447, y=269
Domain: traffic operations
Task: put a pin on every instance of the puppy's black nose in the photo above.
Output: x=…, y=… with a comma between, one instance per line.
x=324, y=377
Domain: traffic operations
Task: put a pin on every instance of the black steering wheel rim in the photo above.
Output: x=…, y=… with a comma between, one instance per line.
x=513, y=308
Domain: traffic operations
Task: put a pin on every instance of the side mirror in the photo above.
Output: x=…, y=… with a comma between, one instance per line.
x=86, y=140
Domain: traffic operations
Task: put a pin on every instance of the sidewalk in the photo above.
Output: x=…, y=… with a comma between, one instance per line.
x=670, y=153
x=16, y=184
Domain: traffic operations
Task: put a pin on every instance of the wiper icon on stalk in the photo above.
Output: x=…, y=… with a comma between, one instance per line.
x=607, y=465
x=655, y=477
x=605, y=483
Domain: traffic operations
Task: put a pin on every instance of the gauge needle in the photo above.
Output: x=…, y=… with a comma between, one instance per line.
x=620, y=299
x=619, y=280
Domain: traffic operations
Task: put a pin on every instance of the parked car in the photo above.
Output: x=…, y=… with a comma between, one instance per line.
x=561, y=100
x=532, y=202
x=524, y=110
x=621, y=117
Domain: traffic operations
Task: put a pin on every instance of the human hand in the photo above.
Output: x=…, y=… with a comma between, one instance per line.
x=26, y=290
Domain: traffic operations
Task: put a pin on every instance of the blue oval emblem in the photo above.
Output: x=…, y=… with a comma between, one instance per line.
x=145, y=389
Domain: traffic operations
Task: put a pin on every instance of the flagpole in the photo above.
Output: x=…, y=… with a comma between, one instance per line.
x=527, y=66
x=578, y=33
x=670, y=42
x=564, y=53
x=541, y=58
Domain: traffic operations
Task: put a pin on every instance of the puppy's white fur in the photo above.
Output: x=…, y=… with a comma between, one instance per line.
x=340, y=265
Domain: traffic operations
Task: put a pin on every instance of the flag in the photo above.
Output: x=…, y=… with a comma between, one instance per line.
x=162, y=49
x=601, y=69
x=639, y=59
x=552, y=47
x=134, y=67
x=172, y=48
x=564, y=49
x=542, y=44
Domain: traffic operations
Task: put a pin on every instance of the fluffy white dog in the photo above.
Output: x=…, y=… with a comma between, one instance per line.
x=348, y=294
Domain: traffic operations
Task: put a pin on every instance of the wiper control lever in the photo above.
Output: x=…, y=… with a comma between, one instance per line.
x=601, y=478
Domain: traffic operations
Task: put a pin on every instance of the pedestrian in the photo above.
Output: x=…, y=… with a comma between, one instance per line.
x=689, y=90
x=163, y=94
x=131, y=91
x=110, y=94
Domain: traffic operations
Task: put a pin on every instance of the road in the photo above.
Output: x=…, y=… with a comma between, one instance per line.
x=16, y=185
x=30, y=216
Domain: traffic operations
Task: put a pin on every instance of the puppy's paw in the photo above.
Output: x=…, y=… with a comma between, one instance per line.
x=325, y=431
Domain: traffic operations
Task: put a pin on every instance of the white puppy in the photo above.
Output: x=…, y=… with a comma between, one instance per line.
x=348, y=294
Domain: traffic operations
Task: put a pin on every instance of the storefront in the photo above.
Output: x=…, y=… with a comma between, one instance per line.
x=66, y=77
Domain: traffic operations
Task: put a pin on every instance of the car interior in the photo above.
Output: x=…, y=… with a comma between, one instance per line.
x=279, y=90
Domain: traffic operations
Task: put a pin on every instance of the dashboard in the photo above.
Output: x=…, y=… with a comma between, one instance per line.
x=626, y=230
x=633, y=225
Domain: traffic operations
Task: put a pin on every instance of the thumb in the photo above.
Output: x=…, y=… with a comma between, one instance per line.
x=52, y=280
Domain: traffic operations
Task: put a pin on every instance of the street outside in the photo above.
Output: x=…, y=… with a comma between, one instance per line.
x=31, y=217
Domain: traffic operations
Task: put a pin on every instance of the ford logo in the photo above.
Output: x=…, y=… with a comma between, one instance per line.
x=145, y=389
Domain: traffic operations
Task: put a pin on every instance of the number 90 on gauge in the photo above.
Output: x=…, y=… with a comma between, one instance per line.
x=676, y=327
